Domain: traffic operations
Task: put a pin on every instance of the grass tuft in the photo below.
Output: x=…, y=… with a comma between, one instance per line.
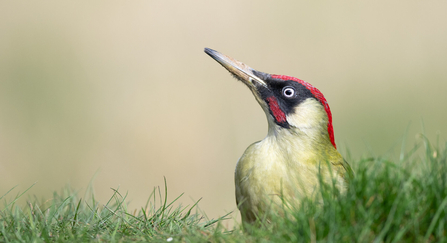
x=66, y=217
x=386, y=201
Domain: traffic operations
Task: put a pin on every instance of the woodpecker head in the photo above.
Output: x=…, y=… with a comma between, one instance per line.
x=290, y=104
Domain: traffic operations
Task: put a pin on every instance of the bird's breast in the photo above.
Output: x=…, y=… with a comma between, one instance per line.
x=270, y=172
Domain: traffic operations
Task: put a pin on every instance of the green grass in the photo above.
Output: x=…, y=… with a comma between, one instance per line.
x=387, y=201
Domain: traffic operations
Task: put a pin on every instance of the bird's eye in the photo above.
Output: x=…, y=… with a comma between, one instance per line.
x=288, y=92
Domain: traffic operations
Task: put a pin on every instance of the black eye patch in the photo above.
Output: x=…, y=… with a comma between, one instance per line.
x=288, y=104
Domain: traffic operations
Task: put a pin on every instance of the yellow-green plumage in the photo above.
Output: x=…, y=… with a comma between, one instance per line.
x=297, y=153
x=285, y=165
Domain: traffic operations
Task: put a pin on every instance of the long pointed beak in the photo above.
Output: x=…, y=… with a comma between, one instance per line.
x=238, y=69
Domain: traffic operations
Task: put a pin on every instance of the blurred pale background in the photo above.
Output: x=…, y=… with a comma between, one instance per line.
x=123, y=88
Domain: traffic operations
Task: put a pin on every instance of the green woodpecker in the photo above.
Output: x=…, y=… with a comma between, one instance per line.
x=299, y=147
